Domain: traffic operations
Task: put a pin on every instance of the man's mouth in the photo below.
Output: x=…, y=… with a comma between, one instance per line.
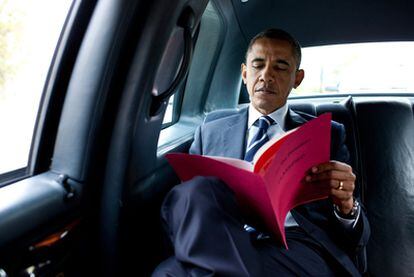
x=266, y=90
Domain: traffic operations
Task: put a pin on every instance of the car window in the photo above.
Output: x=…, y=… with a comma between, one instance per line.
x=169, y=112
x=29, y=31
x=358, y=68
x=168, y=70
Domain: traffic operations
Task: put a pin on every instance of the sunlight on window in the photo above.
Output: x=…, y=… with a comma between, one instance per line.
x=358, y=68
x=29, y=31
x=168, y=116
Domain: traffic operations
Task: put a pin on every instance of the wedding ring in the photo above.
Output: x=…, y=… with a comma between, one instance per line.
x=341, y=185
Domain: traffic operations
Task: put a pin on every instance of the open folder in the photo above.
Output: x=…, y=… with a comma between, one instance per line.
x=274, y=183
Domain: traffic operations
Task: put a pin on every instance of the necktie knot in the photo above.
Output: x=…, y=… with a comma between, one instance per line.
x=265, y=122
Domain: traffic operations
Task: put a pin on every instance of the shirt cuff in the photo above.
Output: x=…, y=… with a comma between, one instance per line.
x=348, y=224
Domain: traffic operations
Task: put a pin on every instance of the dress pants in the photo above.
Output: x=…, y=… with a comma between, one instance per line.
x=205, y=226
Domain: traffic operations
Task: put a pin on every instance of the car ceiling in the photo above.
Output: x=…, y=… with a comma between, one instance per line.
x=324, y=22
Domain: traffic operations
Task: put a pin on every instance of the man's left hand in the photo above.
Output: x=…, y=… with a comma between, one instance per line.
x=341, y=180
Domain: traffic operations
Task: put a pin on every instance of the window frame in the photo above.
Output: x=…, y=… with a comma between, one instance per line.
x=185, y=119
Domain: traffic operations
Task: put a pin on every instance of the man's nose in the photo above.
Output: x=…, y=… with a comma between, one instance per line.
x=267, y=74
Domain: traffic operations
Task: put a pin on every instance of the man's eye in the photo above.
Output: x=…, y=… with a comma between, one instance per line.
x=257, y=66
x=281, y=68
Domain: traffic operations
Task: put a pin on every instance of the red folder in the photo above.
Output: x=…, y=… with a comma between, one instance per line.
x=274, y=184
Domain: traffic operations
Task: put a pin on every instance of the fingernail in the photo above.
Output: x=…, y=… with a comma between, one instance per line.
x=308, y=178
x=314, y=169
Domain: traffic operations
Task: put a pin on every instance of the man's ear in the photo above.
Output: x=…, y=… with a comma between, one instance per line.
x=300, y=74
x=243, y=72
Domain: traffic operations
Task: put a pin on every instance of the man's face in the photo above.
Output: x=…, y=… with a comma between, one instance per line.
x=270, y=74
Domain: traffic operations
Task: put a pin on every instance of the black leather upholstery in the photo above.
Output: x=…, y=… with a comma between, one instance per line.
x=381, y=142
x=387, y=150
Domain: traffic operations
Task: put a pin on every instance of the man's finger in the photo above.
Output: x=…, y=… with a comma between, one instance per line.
x=333, y=184
x=332, y=174
x=342, y=185
x=340, y=195
x=331, y=165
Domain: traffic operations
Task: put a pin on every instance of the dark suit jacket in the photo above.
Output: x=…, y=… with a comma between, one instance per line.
x=224, y=134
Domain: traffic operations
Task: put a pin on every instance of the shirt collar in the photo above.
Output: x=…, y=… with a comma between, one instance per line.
x=278, y=116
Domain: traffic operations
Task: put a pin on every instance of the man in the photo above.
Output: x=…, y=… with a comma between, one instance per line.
x=209, y=233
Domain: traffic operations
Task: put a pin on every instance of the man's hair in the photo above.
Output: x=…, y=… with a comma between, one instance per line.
x=279, y=34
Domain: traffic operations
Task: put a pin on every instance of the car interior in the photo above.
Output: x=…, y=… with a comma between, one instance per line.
x=88, y=200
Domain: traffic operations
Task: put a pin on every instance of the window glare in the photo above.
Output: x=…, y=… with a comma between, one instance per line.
x=29, y=31
x=168, y=116
x=358, y=68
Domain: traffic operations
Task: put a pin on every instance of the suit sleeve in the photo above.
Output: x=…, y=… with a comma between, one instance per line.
x=197, y=146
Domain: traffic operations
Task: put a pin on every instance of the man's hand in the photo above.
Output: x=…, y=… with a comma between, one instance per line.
x=341, y=180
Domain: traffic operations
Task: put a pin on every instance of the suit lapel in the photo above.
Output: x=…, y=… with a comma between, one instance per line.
x=233, y=136
x=293, y=120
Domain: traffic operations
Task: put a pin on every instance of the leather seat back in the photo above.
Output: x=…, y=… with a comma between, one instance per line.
x=386, y=143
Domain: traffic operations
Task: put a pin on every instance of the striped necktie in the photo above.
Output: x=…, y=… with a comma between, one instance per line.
x=260, y=138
